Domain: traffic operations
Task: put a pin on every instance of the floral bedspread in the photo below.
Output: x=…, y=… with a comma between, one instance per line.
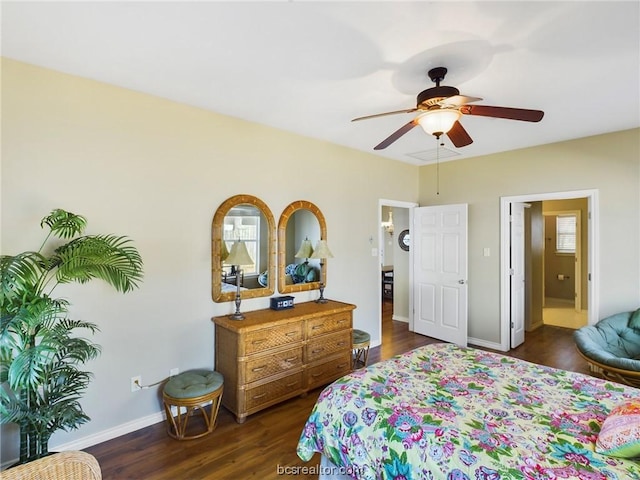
x=446, y=412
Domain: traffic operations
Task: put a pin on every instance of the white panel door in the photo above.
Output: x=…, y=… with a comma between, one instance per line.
x=517, y=278
x=439, y=243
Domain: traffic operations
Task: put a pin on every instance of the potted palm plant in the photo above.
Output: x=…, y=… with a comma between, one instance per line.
x=41, y=351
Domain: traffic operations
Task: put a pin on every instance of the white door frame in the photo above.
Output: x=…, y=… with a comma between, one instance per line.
x=593, y=257
x=400, y=204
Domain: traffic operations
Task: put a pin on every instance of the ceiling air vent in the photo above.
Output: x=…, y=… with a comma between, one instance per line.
x=430, y=156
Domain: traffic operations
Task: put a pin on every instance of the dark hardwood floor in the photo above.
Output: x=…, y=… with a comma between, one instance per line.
x=264, y=447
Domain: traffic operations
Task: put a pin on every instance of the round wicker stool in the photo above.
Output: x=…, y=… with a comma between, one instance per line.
x=360, y=348
x=192, y=391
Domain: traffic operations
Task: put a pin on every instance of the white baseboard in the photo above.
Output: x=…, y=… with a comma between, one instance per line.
x=111, y=433
x=535, y=326
x=400, y=319
x=96, y=438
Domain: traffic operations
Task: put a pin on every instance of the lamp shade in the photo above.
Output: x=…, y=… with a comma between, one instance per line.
x=239, y=255
x=322, y=250
x=224, y=252
x=437, y=122
x=306, y=250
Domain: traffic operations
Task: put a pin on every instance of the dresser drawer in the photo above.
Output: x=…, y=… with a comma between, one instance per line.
x=263, y=394
x=266, y=338
x=274, y=355
x=267, y=365
x=327, y=345
x=331, y=323
x=328, y=372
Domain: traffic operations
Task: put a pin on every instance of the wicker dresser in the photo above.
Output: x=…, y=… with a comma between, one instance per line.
x=273, y=355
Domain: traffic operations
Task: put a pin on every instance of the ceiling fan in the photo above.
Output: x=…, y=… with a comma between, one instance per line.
x=440, y=109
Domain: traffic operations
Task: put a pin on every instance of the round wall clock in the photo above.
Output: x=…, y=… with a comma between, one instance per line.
x=404, y=240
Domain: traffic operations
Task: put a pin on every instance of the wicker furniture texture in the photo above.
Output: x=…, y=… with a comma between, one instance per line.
x=612, y=346
x=190, y=393
x=361, y=340
x=69, y=465
x=274, y=355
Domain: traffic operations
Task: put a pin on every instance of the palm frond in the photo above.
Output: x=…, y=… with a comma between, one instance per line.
x=20, y=276
x=108, y=257
x=64, y=224
x=29, y=367
x=67, y=383
x=24, y=335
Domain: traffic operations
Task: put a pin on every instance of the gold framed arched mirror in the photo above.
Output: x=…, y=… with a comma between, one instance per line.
x=301, y=220
x=248, y=219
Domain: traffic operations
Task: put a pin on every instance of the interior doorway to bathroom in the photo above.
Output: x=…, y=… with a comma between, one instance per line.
x=564, y=301
x=538, y=277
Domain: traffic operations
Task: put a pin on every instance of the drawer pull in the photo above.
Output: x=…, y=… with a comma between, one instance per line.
x=316, y=375
x=258, y=342
x=257, y=369
x=289, y=360
x=339, y=344
x=292, y=384
x=342, y=321
x=341, y=366
x=291, y=334
x=256, y=397
x=317, y=350
x=316, y=327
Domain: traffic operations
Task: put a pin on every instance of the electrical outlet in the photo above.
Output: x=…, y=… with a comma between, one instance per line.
x=174, y=371
x=136, y=383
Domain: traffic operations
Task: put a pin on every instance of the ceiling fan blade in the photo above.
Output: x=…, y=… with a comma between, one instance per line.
x=457, y=101
x=395, y=135
x=503, y=112
x=384, y=114
x=459, y=136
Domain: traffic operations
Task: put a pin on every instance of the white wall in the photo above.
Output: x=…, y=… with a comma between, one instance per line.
x=156, y=171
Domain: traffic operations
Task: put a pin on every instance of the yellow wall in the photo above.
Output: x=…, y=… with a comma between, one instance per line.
x=155, y=170
x=609, y=163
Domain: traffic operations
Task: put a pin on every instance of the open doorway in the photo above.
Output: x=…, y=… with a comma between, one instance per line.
x=394, y=292
x=565, y=302
x=538, y=280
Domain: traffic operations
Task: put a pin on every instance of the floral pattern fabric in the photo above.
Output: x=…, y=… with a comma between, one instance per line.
x=447, y=412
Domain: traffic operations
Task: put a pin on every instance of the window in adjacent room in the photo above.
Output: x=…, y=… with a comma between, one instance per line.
x=247, y=229
x=566, y=234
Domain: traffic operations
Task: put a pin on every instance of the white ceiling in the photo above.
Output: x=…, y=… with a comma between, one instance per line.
x=310, y=67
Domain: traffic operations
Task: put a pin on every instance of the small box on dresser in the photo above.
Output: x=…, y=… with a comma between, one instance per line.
x=274, y=355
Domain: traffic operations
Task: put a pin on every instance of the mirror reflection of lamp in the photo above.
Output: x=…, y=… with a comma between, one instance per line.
x=321, y=252
x=305, y=251
x=239, y=255
x=224, y=252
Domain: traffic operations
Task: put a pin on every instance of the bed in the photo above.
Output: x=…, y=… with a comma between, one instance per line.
x=228, y=287
x=448, y=412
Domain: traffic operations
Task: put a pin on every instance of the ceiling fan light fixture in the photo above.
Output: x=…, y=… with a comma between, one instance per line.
x=438, y=122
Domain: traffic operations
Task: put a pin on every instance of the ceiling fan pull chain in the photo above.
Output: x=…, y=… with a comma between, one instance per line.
x=438, y=165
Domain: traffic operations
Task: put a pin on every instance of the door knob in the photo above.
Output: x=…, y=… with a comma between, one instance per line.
x=461, y=282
